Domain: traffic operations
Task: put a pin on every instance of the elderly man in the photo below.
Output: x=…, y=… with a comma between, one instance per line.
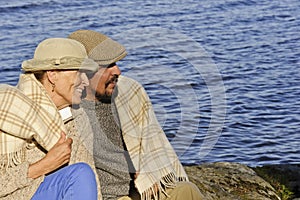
x=131, y=150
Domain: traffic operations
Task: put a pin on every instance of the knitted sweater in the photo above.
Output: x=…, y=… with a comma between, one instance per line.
x=111, y=159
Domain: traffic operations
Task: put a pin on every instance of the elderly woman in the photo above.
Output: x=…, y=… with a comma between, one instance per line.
x=42, y=153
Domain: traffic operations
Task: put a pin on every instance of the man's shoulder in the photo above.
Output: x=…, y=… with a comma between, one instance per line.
x=129, y=89
x=125, y=80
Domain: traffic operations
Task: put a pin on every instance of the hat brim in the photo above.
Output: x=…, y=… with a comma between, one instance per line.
x=65, y=63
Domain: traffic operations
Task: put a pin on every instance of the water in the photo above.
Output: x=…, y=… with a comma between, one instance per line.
x=223, y=75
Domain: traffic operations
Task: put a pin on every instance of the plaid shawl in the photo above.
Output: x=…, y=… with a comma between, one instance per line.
x=26, y=113
x=151, y=153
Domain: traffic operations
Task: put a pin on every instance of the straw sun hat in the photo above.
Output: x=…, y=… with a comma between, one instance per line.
x=59, y=54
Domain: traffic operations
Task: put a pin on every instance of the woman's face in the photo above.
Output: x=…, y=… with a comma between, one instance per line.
x=69, y=86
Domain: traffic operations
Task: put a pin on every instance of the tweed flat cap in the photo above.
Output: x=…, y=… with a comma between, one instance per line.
x=59, y=54
x=99, y=47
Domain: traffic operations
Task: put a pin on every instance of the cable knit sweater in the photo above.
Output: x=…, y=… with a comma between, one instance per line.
x=111, y=159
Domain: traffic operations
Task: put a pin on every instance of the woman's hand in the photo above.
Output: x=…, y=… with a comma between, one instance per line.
x=57, y=156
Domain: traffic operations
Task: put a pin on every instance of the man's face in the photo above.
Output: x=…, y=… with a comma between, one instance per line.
x=104, y=81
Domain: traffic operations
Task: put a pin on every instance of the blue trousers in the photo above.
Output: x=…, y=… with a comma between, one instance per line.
x=74, y=182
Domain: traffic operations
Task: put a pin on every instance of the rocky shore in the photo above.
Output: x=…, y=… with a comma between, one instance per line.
x=234, y=181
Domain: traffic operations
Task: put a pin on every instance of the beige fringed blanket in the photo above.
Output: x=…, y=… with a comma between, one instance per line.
x=152, y=154
x=23, y=119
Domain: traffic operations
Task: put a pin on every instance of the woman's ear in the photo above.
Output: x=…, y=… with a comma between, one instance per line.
x=51, y=76
x=51, y=79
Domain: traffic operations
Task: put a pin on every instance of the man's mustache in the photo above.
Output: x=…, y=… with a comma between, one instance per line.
x=114, y=79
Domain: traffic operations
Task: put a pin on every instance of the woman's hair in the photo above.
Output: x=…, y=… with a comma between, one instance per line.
x=39, y=75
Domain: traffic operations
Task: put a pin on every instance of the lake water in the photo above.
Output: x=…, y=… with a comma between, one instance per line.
x=223, y=75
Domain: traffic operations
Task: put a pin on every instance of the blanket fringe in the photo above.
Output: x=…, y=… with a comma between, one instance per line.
x=168, y=181
x=12, y=159
x=152, y=192
x=183, y=179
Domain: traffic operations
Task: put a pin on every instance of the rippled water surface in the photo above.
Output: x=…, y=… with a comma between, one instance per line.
x=223, y=75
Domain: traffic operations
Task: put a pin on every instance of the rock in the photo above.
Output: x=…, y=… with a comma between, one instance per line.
x=284, y=177
x=230, y=181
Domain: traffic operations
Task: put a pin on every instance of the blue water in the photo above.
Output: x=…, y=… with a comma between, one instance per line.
x=223, y=75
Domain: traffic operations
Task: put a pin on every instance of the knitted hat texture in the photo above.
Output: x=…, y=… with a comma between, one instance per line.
x=99, y=47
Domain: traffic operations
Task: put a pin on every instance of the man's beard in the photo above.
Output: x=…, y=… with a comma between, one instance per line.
x=107, y=98
x=104, y=98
